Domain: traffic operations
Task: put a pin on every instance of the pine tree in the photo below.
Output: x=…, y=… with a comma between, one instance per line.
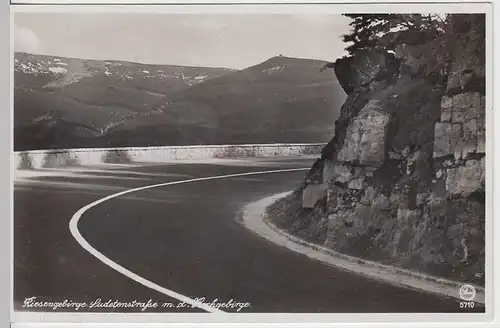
x=372, y=31
x=365, y=30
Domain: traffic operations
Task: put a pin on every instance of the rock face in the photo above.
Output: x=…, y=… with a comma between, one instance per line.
x=405, y=172
x=365, y=140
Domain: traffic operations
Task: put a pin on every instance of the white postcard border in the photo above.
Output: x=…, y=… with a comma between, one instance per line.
x=328, y=319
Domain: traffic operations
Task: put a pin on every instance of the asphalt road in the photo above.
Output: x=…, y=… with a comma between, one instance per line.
x=185, y=238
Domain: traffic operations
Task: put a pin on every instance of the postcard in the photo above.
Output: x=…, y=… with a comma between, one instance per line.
x=268, y=163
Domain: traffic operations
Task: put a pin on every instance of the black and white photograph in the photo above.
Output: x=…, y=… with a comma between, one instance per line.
x=249, y=163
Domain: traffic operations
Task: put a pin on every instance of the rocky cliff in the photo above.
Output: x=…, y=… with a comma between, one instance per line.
x=403, y=180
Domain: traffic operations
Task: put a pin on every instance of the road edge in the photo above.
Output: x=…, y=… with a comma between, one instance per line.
x=253, y=218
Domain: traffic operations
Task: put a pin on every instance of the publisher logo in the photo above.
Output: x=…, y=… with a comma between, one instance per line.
x=467, y=292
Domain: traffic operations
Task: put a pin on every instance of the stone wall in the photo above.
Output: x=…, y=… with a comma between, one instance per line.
x=459, y=135
x=95, y=156
x=459, y=143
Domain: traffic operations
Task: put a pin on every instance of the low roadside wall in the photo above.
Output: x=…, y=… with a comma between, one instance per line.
x=53, y=158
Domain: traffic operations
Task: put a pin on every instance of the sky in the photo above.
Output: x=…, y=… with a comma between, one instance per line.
x=214, y=40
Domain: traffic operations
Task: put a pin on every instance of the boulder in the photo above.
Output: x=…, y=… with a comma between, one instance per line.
x=368, y=196
x=470, y=130
x=342, y=173
x=312, y=194
x=328, y=170
x=365, y=140
x=382, y=202
x=446, y=138
x=356, y=184
x=466, y=106
x=446, y=108
x=363, y=68
x=466, y=179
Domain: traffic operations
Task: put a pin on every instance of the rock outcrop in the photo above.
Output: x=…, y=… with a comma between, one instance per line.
x=363, y=69
x=403, y=179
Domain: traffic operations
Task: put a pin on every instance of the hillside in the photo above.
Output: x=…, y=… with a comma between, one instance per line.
x=280, y=100
x=78, y=98
x=116, y=104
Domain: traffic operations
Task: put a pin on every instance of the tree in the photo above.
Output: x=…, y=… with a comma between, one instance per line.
x=372, y=31
x=365, y=28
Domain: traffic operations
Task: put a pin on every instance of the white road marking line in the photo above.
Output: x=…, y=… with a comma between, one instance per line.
x=73, y=227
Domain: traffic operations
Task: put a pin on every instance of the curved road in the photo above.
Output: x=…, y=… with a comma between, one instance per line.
x=185, y=238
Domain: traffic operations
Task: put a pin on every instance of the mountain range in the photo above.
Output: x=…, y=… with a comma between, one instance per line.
x=76, y=103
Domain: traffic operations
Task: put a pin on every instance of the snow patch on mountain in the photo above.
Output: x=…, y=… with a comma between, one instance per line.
x=70, y=70
x=28, y=68
x=275, y=69
x=58, y=70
